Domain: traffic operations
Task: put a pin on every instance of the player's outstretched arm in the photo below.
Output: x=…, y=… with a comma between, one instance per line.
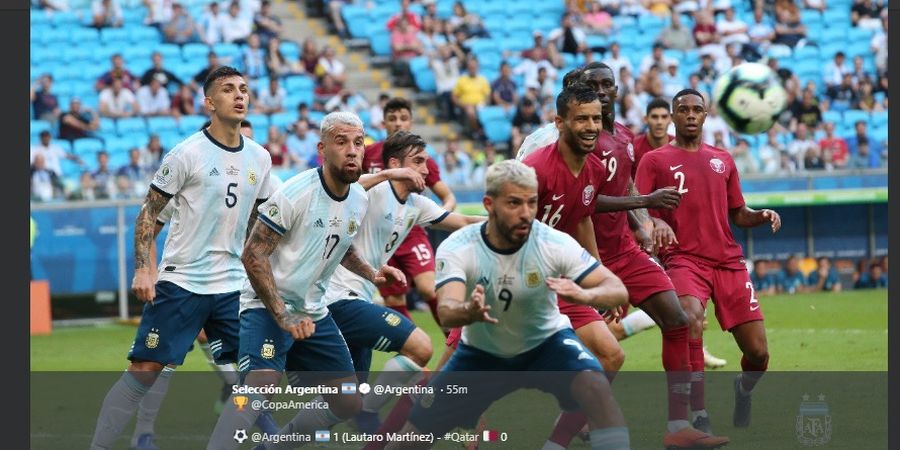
x=385, y=275
x=370, y=180
x=664, y=198
x=448, y=198
x=746, y=217
x=455, y=221
x=600, y=289
x=145, y=225
x=454, y=312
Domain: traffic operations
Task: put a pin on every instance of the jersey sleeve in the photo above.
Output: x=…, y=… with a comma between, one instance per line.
x=645, y=180
x=172, y=174
x=166, y=214
x=434, y=172
x=571, y=260
x=451, y=263
x=735, y=196
x=430, y=212
x=278, y=213
x=267, y=188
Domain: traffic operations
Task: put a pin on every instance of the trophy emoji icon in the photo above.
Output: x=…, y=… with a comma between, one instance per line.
x=240, y=401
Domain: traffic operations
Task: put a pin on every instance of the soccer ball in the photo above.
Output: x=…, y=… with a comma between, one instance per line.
x=750, y=98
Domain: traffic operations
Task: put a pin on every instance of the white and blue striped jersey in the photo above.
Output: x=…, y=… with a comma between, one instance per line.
x=165, y=215
x=316, y=229
x=213, y=189
x=514, y=284
x=539, y=138
x=387, y=223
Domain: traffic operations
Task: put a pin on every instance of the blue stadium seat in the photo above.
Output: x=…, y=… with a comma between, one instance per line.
x=283, y=119
x=144, y=35
x=190, y=124
x=289, y=49
x=227, y=52
x=160, y=125
x=78, y=54
x=489, y=113
x=879, y=134
x=807, y=52
x=114, y=35
x=859, y=36
x=498, y=131
x=296, y=98
x=116, y=145
x=103, y=54
x=260, y=122
x=134, y=16
x=837, y=18
x=87, y=146
x=195, y=52
x=169, y=52
x=70, y=169
x=65, y=19
x=40, y=125
x=484, y=46
x=131, y=125
x=833, y=116
x=851, y=116
x=134, y=53
x=117, y=160
x=39, y=17
x=809, y=17
x=296, y=83
x=54, y=36
x=65, y=72
x=878, y=119
x=380, y=42
x=834, y=35
x=424, y=79
x=82, y=35
x=495, y=24
x=169, y=140
x=517, y=42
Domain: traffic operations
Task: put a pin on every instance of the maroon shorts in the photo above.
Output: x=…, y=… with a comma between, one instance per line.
x=579, y=315
x=454, y=337
x=730, y=289
x=414, y=256
x=641, y=275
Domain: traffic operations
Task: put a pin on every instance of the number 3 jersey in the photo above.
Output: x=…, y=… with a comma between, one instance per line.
x=213, y=189
x=514, y=284
x=316, y=228
x=387, y=223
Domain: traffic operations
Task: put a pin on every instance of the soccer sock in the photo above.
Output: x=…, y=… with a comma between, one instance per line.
x=402, y=310
x=676, y=361
x=613, y=438
x=149, y=406
x=697, y=368
x=751, y=374
x=230, y=421
x=119, y=405
x=398, y=371
x=306, y=421
x=394, y=421
x=567, y=426
x=637, y=321
x=227, y=372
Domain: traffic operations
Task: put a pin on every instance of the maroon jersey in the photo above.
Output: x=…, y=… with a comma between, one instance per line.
x=616, y=153
x=641, y=147
x=710, y=187
x=564, y=199
x=372, y=163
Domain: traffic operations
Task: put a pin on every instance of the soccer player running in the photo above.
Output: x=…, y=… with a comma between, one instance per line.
x=414, y=255
x=499, y=281
x=217, y=179
x=395, y=206
x=707, y=262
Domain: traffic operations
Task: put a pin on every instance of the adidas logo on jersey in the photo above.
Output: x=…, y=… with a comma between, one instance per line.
x=319, y=224
x=214, y=172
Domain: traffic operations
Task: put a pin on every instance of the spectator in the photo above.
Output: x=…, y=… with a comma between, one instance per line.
x=676, y=36
x=707, y=71
x=334, y=9
x=309, y=57
x=303, y=116
x=411, y=18
x=45, y=183
x=44, y=103
x=787, y=77
x=859, y=73
x=715, y=123
x=546, y=84
x=863, y=158
x=672, y=81
x=212, y=62
x=463, y=20
x=789, y=30
x=866, y=14
x=867, y=101
x=158, y=12
x=615, y=60
x=302, y=144
x=429, y=38
x=86, y=188
x=329, y=65
x=405, y=45
x=271, y=99
x=834, y=70
x=430, y=10
x=814, y=159
x=534, y=60
x=801, y=146
x=824, y=278
x=77, y=122
x=862, y=134
x=51, y=153
x=879, y=44
x=655, y=58
x=744, y=161
x=103, y=177
x=760, y=32
x=235, y=27
x=152, y=153
x=455, y=166
x=254, y=58
x=168, y=79
x=597, y=21
x=180, y=29
x=526, y=121
x=874, y=279
x=482, y=161
x=117, y=102
x=106, y=13
x=153, y=100
x=136, y=173
x=503, y=89
x=765, y=281
x=326, y=90
x=540, y=51
x=445, y=67
x=835, y=146
x=267, y=25
x=786, y=164
x=792, y=280
x=818, y=5
x=843, y=96
x=471, y=92
x=277, y=148
x=52, y=5
x=183, y=102
x=706, y=36
x=458, y=44
x=806, y=112
x=118, y=70
x=209, y=27
x=732, y=29
x=347, y=100
x=630, y=113
x=376, y=112
x=569, y=37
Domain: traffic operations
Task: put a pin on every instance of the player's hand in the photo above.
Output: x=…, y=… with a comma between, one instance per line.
x=772, y=217
x=144, y=285
x=300, y=327
x=663, y=236
x=614, y=314
x=645, y=241
x=478, y=311
x=568, y=290
x=410, y=175
x=664, y=198
x=389, y=275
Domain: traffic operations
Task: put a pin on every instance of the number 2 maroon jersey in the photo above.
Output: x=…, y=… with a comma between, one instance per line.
x=564, y=199
x=710, y=187
x=616, y=154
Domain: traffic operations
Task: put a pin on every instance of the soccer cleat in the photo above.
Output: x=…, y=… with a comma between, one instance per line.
x=145, y=442
x=711, y=361
x=741, y=417
x=367, y=422
x=266, y=423
x=692, y=438
x=702, y=423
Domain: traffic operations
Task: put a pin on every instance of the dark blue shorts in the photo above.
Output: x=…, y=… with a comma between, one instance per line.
x=367, y=326
x=489, y=378
x=171, y=323
x=264, y=345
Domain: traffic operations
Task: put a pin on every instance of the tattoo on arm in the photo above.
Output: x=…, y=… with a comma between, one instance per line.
x=259, y=246
x=354, y=263
x=145, y=225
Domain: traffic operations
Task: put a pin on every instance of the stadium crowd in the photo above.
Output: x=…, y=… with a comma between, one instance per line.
x=798, y=275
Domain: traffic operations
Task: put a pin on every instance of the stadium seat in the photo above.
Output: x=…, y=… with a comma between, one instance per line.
x=78, y=54
x=116, y=145
x=103, y=54
x=87, y=146
x=833, y=116
x=118, y=160
x=131, y=125
x=380, y=42
x=296, y=83
x=879, y=134
x=159, y=125
x=40, y=125
x=260, y=123
x=283, y=119
x=170, y=140
x=489, y=113
x=498, y=131
x=65, y=19
x=878, y=119
x=294, y=99
x=290, y=50
x=859, y=35
x=190, y=124
x=191, y=52
x=114, y=35
x=144, y=35
x=80, y=35
x=851, y=116
x=54, y=36
x=810, y=18
x=424, y=79
x=228, y=53
x=807, y=52
x=169, y=52
x=70, y=169
x=48, y=53
x=837, y=18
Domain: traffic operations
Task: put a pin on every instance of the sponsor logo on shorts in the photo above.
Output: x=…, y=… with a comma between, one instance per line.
x=152, y=340
x=532, y=279
x=392, y=319
x=268, y=349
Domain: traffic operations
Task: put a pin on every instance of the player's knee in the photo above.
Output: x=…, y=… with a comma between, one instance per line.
x=615, y=360
x=145, y=372
x=758, y=352
x=675, y=319
x=590, y=388
x=418, y=347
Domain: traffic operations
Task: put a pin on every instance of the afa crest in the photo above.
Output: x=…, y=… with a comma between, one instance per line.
x=392, y=319
x=532, y=279
x=352, y=226
x=152, y=340
x=251, y=177
x=268, y=349
x=813, y=426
